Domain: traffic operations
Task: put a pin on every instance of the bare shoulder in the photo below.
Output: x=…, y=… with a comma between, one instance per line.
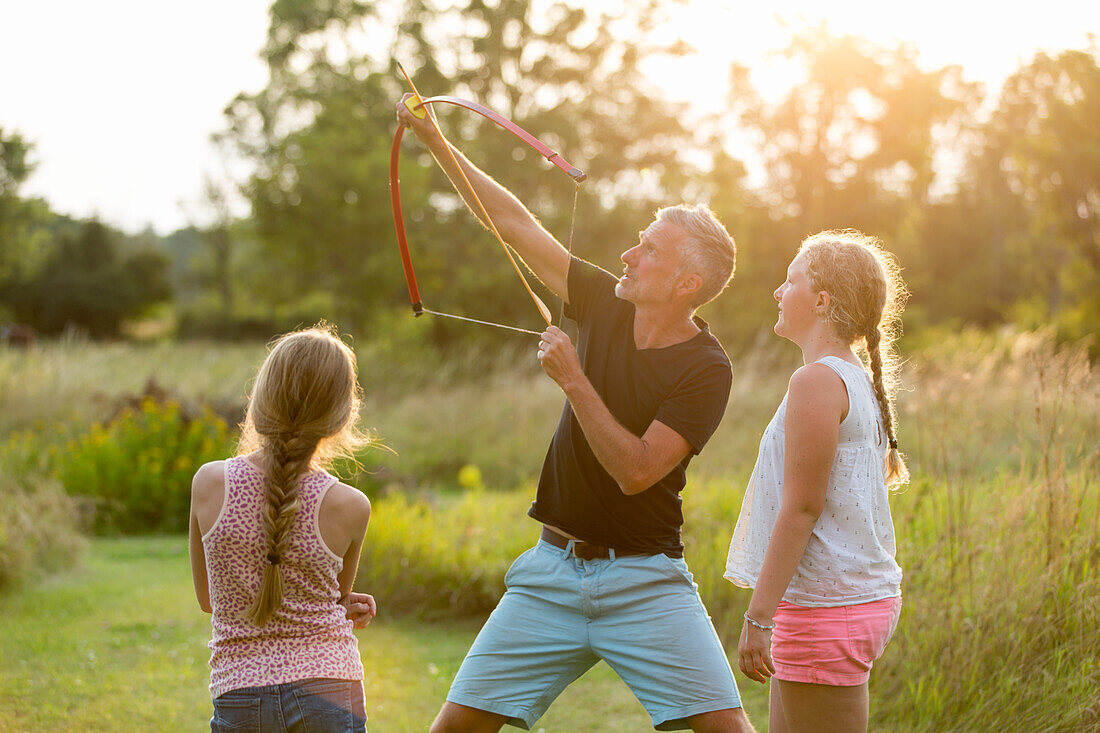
x=817, y=385
x=814, y=376
x=207, y=494
x=343, y=518
x=209, y=479
x=347, y=501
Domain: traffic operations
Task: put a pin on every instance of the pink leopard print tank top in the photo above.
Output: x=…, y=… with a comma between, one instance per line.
x=308, y=635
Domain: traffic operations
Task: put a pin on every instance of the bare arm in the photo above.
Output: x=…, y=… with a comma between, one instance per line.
x=206, y=498
x=636, y=463
x=344, y=516
x=357, y=516
x=816, y=403
x=198, y=566
x=546, y=257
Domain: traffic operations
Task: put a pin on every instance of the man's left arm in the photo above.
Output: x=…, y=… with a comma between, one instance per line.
x=636, y=463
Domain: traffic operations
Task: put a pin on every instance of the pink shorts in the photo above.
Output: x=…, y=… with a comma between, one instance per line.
x=832, y=646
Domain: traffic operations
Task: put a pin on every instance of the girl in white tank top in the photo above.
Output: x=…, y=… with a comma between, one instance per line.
x=815, y=540
x=849, y=557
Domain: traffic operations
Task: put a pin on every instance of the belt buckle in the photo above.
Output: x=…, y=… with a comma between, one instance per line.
x=586, y=550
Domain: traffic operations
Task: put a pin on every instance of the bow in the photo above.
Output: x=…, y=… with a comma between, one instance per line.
x=418, y=106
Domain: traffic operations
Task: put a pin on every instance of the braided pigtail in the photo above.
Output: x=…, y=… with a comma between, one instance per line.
x=895, y=469
x=867, y=297
x=286, y=461
x=302, y=415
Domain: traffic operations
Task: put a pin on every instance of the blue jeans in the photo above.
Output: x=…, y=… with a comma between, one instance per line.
x=302, y=706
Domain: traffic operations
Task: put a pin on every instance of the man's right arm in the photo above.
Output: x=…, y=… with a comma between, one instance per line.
x=517, y=226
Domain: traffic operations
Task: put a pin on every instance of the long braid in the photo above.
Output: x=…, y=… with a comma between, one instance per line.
x=286, y=461
x=301, y=415
x=895, y=469
x=867, y=295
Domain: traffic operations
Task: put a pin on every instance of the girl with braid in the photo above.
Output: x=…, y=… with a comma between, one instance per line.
x=275, y=545
x=815, y=540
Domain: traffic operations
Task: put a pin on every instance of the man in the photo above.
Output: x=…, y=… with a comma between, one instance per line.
x=646, y=388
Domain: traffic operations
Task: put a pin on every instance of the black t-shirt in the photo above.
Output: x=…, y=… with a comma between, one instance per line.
x=685, y=386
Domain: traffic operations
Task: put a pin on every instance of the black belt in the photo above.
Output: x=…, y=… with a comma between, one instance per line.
x=585, y=550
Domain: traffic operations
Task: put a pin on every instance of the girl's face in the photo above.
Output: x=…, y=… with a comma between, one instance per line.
x=799, y=305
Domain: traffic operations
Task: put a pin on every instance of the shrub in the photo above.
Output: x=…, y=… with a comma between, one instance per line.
x=39, y=528
x=206, y=318
x=998, y=536
x=445, y=556
x=137, y=468
x=89, y=281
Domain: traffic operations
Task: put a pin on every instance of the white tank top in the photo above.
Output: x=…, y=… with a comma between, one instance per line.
x=849, y=558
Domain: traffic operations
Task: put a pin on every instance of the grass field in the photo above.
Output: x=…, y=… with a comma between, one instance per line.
x=998, y=535
x=120, y=645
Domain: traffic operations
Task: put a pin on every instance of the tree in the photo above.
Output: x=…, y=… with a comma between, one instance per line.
x=22, y=221
x=319, y=137
x=852, y=145
x=1044, y=143
x=14, y=166
x=86, y=282
x=218, y=241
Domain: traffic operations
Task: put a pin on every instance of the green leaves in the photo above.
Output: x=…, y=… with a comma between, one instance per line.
x=14, y=165
x=318, y=136
x=87, y=281
x=137, y=468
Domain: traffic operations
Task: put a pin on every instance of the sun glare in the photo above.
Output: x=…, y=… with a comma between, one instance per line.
x=989, y=43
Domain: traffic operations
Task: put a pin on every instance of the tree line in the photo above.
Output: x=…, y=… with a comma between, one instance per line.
x=989, y=199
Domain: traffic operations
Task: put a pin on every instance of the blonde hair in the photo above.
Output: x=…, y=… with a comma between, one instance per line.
x=866, y=297
x=302, y=415
x=708, y=249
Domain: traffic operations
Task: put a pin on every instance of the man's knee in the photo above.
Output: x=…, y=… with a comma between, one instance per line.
x=730, y=720
x=455, y=718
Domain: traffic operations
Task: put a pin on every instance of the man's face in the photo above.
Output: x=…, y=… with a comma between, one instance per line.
x=652, y=265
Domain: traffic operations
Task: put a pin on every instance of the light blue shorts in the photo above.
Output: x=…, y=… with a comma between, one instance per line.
x=560, y=615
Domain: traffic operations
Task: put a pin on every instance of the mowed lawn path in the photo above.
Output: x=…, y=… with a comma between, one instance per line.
x=120, y=645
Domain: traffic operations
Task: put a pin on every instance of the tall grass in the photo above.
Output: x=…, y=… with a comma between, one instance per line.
x=443, y=557
x=77, y=382
x=437, y=412
x=1000, y=538
x=500, y=423
x=40, y=529
x=998, y=534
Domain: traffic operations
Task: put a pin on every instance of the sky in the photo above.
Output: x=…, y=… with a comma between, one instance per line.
x=120, y=97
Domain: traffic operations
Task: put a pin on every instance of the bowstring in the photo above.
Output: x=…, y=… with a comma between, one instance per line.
x=475, y=320
x=569, y=250
x=561, y=311
x=543, y=310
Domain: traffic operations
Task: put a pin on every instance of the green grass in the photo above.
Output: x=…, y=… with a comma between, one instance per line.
x=40, y=529
x=120, y=645
x=83, y=646
x=998, y=534
x=80, y=382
